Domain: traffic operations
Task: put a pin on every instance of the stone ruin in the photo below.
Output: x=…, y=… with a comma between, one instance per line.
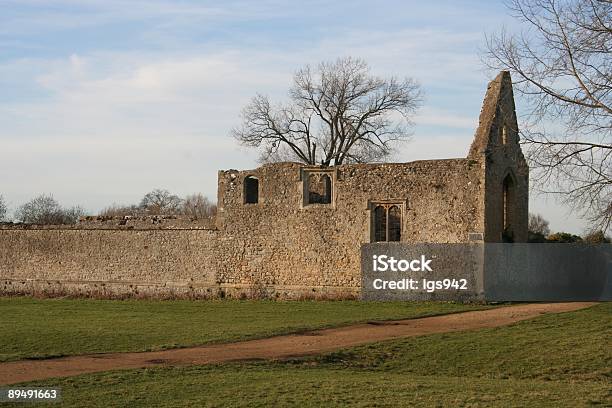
x=286, y=230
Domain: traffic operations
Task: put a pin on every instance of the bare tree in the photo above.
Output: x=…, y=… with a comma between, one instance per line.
x=122, y=211
x=3, y=208
x=44, y=209
x=538, y=225
x=538, y=228
x=597, y=237
x=197, y=206
x=161, y=201
x=562, y=66
x=337, y=113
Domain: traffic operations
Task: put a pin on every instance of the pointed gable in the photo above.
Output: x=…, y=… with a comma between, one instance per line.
x=497, y=124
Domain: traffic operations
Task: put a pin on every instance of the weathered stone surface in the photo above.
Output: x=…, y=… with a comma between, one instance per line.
x=498, y=119
x=283, y=246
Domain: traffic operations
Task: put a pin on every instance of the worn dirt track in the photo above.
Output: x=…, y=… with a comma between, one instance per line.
x=279, y=347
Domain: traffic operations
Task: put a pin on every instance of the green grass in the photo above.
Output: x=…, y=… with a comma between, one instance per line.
x=566, y=346
x=561, y=360
x=240, y=385
x=35, y=328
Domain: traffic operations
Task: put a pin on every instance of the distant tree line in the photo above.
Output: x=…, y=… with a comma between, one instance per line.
x=162, y=202
x=46, y=210
x=539, y=231
x=43, y=209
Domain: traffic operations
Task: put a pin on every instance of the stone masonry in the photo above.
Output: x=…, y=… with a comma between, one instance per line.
x=286, y=230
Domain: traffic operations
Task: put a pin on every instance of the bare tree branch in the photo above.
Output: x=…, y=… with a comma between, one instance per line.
x=161, y=202
x=45, y=210
x=562, y=66
x=337, y=113
x=197, y=206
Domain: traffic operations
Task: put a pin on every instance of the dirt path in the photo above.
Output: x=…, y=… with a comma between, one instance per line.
x=278, y=347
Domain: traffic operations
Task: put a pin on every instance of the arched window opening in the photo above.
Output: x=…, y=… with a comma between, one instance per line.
x=395, y=224
x=508, y=209
x=319, y=189
x=387, y=223
x=251, y=190
x=380, y=224
x=328, y=188
x=504, y=134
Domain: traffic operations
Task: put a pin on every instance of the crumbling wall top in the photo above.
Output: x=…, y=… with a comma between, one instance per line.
x=146, y=222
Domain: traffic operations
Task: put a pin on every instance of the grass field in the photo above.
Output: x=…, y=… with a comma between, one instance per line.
x=35, y=328
x=554, y=360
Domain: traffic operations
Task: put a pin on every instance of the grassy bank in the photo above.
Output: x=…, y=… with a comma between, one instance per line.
x=561, y=360
x=37, y=328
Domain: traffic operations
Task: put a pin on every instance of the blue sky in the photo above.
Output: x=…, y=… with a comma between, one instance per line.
x=103, y=100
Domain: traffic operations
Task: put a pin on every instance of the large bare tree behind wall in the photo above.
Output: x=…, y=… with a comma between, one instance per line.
x=562, y=67
x=338, y=112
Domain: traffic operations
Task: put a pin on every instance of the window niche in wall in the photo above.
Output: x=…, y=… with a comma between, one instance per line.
x=380, y=223
x=508, y=208
x=386, y=222
x=251, y=190
x=318, y=187
x=504, y=134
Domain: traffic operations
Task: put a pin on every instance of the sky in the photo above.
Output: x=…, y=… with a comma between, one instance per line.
x=102, y=101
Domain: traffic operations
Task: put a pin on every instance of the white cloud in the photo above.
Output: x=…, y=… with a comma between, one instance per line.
x=446, y=118
x=115, y=116
x=187, y=92
x=105, y=126
x=44, y=16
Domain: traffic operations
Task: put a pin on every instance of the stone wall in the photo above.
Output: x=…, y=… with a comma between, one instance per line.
x=280, y=246
x=497, y=142
x=290, y=242
x=282, y=241
x=146, y=222
x=107, y=263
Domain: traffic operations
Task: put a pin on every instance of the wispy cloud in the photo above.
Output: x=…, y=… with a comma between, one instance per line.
x=104, y=99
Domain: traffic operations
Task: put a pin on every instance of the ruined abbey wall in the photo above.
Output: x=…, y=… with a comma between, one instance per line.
x=282, y=241
x=286, y=230
x=107, y=263
x=279, y=246
x=506, y=192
